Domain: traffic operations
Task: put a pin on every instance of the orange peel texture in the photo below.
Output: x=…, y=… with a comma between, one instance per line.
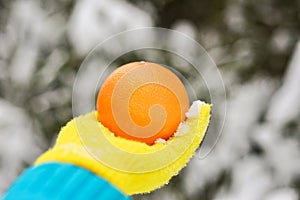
x=142, y=101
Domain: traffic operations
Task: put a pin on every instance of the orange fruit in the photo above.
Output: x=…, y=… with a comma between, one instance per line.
x=142, y=101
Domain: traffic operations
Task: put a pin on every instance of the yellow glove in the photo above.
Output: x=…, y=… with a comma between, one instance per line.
x=133, y=167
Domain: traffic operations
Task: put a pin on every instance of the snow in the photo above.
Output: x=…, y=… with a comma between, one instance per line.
x=33, y=30
x=283, y=193
x=182, y=129
x=160, y=141
x=18, y=142
x=285, y=105
x=254, y=176
x=93, y=21
x=234, y=141
x=194, y=110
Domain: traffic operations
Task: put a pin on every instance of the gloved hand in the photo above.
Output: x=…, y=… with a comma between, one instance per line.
x=133, y=167
x=88, y=162
x=119, y=166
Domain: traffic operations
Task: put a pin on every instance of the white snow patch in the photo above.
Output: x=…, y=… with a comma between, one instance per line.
x=194, y=110
x=285, y=104
x=160, y=141
x=93, y=21
x=283, y=193
x=18, y=142
x=182, y=129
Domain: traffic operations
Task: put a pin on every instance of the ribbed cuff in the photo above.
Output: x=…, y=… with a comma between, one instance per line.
x=61, y=181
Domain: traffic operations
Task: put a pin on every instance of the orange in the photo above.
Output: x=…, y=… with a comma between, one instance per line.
x=142, y=101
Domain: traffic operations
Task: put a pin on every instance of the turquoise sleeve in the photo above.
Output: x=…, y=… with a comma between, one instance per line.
x=61, y=182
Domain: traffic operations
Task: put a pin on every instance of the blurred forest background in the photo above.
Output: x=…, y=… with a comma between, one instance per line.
x=254, y=43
